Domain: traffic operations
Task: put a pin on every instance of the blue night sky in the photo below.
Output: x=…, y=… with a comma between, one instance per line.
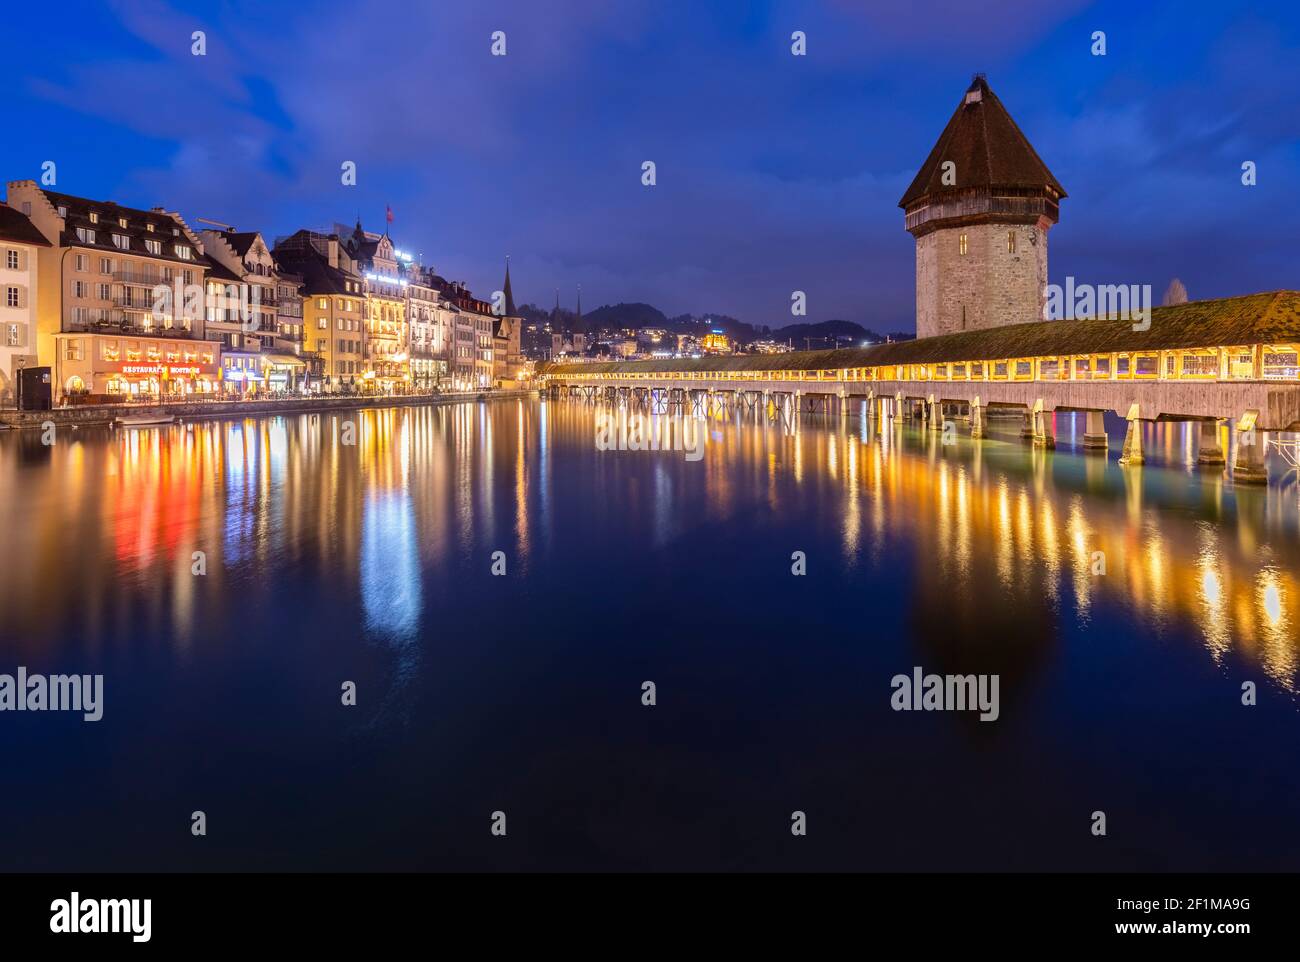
x=775, y=172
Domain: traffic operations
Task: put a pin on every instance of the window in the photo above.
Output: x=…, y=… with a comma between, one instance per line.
x=1147, y=366
x=1201, y=365
x=102, y=292
x=11, y=260
x=184, y=253
x=72, y=351
x=27, y=209
x=85, y=235
x=1280, y=364
x=149, y=228
x=187, y=278
x=63, y=211
x=1011, y=242
x=13, y=336
x=79, y=288
x=153, y=246
x=320, y=303
x=106, y=265
x=961, y=244
x=121, y=222
x=322, y=324
x=94, y=218
x=81, y=263
x=11, y=297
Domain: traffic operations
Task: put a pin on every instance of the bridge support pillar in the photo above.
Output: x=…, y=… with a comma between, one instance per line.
x=1094, y=432
x=1044, y=428
x=843, y=403
x=976, y=419
x=1248, y=465
x=1132, y=453
x=1027, y=429
x=1211, y=448
x=936, y=414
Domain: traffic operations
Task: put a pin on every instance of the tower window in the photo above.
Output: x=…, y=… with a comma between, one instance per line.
x=961, y=244
x=1011, y=242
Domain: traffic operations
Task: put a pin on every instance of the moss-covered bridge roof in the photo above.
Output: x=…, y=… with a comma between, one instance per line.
x=1269, y=318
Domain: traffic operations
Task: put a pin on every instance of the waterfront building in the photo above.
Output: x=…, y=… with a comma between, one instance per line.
x=241, y=313
x=21, y=247
x=980, y=208
x=387, y=363
x=427, y=325
x=334, y=305
x=120, y=310
x=290, y=333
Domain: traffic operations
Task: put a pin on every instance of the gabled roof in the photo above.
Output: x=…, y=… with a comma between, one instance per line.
x=166, y=229
x=986, y=147
x=219, y=271
x=240, y=241
x=15, y=226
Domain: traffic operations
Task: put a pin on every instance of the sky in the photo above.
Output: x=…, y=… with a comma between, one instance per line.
x=774, y=173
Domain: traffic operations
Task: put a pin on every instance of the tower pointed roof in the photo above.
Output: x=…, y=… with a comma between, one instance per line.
x=987, y=149
x=510, y=297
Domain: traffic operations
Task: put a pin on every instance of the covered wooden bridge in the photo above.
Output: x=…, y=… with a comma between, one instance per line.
x=1233, y=360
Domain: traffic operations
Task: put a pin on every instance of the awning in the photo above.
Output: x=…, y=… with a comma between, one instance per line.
x=285, y=360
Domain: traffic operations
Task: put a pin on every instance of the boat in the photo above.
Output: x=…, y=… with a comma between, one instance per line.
x=145, y=420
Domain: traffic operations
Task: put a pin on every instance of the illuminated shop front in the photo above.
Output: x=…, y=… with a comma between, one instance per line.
x=134, y=367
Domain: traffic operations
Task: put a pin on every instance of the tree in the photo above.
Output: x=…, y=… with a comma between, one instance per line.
x=1176, y=293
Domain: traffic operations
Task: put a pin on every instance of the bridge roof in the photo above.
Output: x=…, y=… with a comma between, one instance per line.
x=1268, y=318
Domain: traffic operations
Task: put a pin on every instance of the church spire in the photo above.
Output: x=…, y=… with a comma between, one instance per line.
x=578, y=317
x=510, y=297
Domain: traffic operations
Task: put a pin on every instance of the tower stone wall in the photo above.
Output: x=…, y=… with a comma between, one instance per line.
x=989, y=285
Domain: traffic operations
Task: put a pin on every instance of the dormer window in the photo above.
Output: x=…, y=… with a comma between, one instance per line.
x=149, y=228
x=121, y=222
x=121, y=241
x=94, y=218
x=85, y=235
x=63, y=211
x=153, y=246
x=184, y=253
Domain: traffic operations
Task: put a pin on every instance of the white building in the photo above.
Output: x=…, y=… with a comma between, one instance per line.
x=20, y=245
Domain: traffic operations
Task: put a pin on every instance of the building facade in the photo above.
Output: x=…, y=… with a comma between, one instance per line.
x=387, y=361
x=121, y=309
x=333, y=306
x=21, y=247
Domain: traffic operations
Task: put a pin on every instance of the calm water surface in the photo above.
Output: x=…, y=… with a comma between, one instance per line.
x=371, y=563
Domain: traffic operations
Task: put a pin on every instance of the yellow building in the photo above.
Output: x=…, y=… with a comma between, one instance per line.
x=333, y=306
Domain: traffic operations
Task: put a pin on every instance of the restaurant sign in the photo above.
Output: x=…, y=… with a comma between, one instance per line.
x=162, y=370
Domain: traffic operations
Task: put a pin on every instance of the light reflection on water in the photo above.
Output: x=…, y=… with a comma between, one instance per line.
x=328, y=561
x=107, y=513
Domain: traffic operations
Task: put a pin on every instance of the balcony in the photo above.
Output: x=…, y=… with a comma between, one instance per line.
x=124, y=327
x=142, y=278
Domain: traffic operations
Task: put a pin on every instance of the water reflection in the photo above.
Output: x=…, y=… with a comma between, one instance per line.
x=999, y=540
